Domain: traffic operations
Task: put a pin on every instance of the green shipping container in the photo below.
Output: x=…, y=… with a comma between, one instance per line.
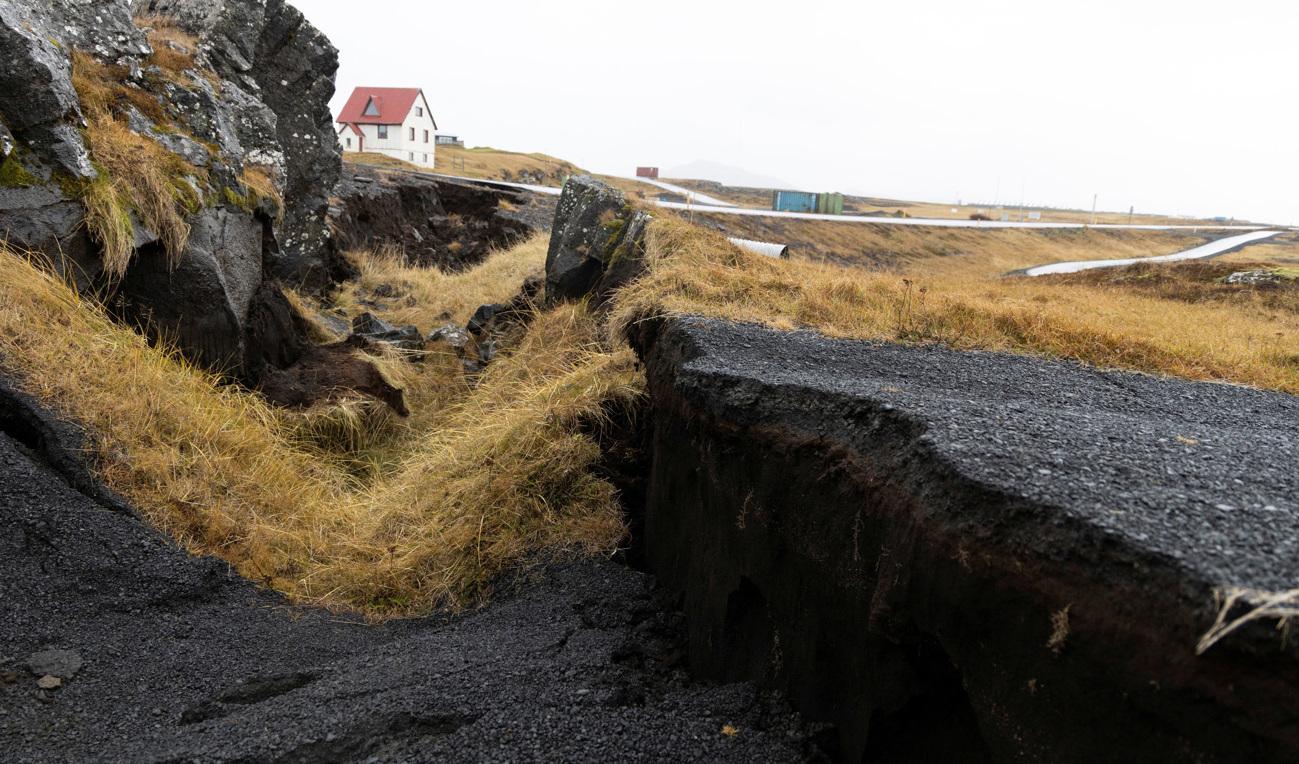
x=829, y=204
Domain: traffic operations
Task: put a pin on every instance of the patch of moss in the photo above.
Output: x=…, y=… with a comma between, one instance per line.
x=241, y=201
x=14, y=175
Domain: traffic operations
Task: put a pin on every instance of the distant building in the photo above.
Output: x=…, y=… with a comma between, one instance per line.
x=672, y=198
x=806, y=201
x=449, y=140
x=395, y=122
x=647, y=172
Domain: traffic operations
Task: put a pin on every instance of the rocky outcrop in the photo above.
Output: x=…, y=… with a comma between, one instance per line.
x=433, y=222
x=597, y=242
x=268, y=50
x=249, y=100
x=857, y=524
x=203, y=303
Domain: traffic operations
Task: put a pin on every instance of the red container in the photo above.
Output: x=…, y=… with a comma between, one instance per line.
x=647, y=172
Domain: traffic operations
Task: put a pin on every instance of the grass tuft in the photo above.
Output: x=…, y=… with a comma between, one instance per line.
x=136, y=174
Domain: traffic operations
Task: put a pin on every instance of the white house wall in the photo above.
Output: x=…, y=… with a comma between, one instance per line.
x=398, y=144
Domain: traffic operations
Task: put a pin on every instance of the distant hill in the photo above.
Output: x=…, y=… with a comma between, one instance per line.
x=702, y=169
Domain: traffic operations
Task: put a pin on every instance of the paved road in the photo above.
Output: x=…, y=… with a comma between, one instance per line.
x=1042, y=522
x=1196, y=472
x=1212, y=249
x=696, y=198
x=922, y=222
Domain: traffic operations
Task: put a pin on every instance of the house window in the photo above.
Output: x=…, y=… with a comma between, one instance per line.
x=412, y=156
x=349, y=143
x=372, y=108
x=426, y=159
x=412, y=135
x=419, y=111
x=426, y=136
x=383, y=132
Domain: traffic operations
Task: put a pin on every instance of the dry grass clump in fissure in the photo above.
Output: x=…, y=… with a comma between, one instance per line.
x=693, y=271
x=500, y=473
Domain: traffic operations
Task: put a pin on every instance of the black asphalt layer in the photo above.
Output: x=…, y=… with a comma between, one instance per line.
x=183, y=661
x=1201, y=475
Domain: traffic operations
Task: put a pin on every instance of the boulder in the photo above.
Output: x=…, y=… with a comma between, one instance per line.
x=203, y=303
x=333, y=372
x=261, y=100
x=269, y=50
x=375, y=329
x=596, y=242
x=63, y=664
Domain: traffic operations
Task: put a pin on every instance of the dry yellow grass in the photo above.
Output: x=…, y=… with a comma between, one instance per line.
x=174, y=49
x=697, y=272
x=501, y=474
x=259, y=181
x=438, y=297
x=485, y=163
x=136, y=174
x=496, y=164
x=894, y=246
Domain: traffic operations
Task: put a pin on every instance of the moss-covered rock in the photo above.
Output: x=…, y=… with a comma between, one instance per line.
x=596, y=243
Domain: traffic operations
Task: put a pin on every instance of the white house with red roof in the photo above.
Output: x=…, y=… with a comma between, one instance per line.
x=395, y=122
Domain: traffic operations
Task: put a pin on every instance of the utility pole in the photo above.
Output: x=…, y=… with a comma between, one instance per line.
x=1131, y=210
x=1094, y=196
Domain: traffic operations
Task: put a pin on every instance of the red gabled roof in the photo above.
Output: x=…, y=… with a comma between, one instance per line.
x=353, y=128
x=394, y=104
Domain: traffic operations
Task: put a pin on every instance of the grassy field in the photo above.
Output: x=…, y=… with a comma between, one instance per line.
x=892, y=246
x=485, y=163
x=965, y=302
x=760, y=198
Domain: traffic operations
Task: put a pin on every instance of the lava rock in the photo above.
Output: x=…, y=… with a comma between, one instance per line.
x=202, y=304
x=482, y=319
x=596, y=242
x=450, y=334
x=1254, y=278
x=329, y=373
x=269, y=50
x=376, y=329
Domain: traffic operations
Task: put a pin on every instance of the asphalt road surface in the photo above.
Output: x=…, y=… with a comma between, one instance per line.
x=1198, y=474
x=696, y=197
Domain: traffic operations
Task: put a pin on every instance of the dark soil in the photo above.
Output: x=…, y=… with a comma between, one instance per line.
x=184, y=661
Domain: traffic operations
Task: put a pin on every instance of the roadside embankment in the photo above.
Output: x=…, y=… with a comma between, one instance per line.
x=975, y=555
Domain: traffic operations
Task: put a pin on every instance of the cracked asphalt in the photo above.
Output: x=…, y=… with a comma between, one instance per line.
x=1198, y=474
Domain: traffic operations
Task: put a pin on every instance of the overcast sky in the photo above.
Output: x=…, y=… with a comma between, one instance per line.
x=1178, y=107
